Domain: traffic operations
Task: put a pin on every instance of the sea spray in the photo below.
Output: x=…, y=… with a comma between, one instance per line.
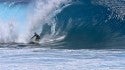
x=11, y=21
x=8, y=33
x=43, y=13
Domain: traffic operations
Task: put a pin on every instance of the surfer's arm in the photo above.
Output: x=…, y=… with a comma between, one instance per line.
x=33, y=37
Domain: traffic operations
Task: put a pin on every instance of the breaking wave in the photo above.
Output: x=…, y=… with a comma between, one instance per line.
x=65, y=23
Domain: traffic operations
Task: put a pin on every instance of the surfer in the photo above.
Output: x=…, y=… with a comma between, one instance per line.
x=36, y=36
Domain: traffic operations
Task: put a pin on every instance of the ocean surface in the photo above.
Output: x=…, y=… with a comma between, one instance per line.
x=75, y=34
x=61, y=59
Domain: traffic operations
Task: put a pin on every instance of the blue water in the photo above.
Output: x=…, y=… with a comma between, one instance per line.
x=94, y=24
x=83, y=23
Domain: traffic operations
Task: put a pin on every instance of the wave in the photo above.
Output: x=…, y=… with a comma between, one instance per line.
x=93, y=24
x=72, y=23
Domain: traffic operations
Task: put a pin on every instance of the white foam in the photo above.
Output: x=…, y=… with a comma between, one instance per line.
x=8, y=32
x=61, y=59
x=40, y=12
x=43, y=12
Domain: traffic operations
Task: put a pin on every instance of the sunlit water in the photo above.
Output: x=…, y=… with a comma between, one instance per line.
x=61, y=59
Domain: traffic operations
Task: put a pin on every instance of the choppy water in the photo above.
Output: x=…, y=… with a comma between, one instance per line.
x=61, y=59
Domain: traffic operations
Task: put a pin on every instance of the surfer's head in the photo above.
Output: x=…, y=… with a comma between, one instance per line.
x=35, y=33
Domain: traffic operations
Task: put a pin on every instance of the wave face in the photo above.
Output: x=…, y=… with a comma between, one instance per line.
x=65, y=23
x=93, y=24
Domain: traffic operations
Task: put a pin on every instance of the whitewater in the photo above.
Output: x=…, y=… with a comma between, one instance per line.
x=56, y=59
x=75, y=34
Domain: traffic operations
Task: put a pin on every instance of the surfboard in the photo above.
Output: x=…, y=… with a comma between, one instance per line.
x=28, y=44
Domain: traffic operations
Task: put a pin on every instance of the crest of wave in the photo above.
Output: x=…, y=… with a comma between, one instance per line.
x=117, y=6
x=42, y=12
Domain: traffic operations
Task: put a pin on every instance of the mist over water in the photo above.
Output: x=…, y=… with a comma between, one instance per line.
x=35, y=14
x=42, y=15
x=70, y=23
